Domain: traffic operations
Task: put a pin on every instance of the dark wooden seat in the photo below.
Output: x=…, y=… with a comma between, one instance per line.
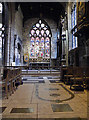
x=86, y=77
x=5, y=83
x=63, y=71
x=69, y=74
x=77, y=81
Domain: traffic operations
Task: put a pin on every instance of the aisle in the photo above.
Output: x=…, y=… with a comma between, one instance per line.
x=47, y=99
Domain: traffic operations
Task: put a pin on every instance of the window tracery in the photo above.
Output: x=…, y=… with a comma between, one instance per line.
x=40, y=36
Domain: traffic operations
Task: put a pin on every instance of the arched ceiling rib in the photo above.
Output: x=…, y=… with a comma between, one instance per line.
x=42, y=9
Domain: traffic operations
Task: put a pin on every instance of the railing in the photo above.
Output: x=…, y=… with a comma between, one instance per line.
x=40, y=69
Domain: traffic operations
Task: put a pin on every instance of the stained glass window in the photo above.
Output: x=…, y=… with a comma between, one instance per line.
x=40, y=36
x=0, y=7
x=1, y=31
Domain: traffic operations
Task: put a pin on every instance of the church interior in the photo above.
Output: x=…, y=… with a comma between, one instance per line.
x=44, y=60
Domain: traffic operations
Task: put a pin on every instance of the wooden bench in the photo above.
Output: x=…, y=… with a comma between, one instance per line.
x=68, y=75
x=77, y=81
x=86, y=77
x=63, y=71
x=11, y=79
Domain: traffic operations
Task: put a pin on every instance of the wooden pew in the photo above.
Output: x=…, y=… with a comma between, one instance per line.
x=77, y=81
x=86, y=77
x=5, y=82
x=68, y=75
x=63, y=71
x=10, y=79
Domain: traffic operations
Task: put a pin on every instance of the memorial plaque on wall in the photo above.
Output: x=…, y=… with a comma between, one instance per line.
x=26, y=57
x=83, y=17
x=81, y=9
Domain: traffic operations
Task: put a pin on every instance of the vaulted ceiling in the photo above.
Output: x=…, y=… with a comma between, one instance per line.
x=42, y=9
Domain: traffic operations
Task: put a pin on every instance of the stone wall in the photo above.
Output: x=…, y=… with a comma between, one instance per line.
x=14, y=27
x=77, y=56
x=83, y=51
x=19, y=22
x=9, y=47
x=19, y=36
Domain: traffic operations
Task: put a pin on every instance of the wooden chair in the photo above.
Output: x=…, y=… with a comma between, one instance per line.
x=77, y=81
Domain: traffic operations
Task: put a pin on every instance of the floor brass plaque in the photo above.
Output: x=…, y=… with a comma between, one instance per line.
x=22, y=110
x=61, y=108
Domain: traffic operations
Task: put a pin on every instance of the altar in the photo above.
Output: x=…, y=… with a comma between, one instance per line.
x=39, y=64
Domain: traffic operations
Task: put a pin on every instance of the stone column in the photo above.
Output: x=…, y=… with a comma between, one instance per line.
x=12, y=32
x=66, y=47
x=68, y=32
x=7, y=31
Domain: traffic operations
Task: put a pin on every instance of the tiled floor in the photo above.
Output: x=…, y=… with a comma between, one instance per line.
x=50, y=101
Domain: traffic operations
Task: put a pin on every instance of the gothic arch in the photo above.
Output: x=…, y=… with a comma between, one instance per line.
x=40, y=40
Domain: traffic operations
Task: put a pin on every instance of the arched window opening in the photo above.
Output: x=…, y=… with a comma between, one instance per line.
x=1, y=32
x=1, y=7
x=40, y=37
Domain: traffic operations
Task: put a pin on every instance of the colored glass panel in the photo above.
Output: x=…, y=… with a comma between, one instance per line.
x=40, y=21
x=45, y=28
x=42, y=25
x=37, y=32
x=0, y=7
x=42, y=32
x=35, y=28
x=37, y=25
x=40, y=42
x=47, y=32
x=32, y=32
